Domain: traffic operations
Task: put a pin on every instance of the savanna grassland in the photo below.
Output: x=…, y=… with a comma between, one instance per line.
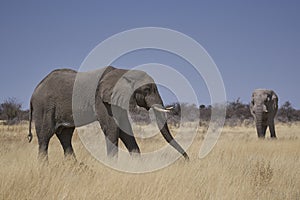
x=239, y=167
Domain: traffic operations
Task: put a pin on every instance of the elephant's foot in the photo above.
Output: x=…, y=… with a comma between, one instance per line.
x=70, y=158
x=186, y=157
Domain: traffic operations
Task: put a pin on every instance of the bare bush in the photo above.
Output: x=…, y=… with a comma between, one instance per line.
x=10, y=110
x=287, y=113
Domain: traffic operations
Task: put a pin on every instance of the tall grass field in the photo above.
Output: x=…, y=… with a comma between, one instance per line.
x=240, y=166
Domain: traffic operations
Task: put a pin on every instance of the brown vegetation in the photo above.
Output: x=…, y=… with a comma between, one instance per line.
x=239, y=167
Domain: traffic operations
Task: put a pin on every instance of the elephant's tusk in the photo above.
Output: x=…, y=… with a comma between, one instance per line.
x=160, y=109
x=169, y=108
x=265, y=109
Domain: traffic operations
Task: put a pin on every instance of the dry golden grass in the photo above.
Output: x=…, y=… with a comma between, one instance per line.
x=239, y=167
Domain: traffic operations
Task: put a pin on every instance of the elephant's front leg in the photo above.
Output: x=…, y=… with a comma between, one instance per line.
x=261, y=130
x=272, y=129
x=111, y=132
x=264, y=130
x=111, y=138
x=126, y=134
x=109, y=127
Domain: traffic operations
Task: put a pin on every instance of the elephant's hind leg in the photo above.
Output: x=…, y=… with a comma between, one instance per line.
x=43, y=149
x=44, y=126
x=65, y=138
x=44, y=135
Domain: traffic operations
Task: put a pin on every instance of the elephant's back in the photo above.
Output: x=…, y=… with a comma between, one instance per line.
x=56, y=85
x=57, y=79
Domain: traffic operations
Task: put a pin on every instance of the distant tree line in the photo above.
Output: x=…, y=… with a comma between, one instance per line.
x=237, y=113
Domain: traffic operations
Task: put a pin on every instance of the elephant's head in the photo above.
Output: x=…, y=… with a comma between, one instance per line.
x=127, y=89
x=263, y=107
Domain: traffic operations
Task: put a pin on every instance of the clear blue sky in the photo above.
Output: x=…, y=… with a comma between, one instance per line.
x=255, y=44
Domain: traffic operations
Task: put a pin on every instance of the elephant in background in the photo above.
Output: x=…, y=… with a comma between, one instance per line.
x=263, y=107
x=66, y=99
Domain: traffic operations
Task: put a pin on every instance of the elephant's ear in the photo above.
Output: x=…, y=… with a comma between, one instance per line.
x=115, y=88
x=274, y=100
x=118, y=86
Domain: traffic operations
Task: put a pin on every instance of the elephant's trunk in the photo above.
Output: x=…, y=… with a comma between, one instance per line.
x=259, y=122
x=163, y=127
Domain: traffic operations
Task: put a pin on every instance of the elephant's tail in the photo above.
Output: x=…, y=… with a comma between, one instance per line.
x=29, y=136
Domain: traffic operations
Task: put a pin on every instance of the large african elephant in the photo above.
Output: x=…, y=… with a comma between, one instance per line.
x=66, y=99
x=263, y=107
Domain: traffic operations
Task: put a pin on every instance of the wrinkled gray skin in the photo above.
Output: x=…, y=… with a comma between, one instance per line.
x=263, y=107
x=54, y=112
